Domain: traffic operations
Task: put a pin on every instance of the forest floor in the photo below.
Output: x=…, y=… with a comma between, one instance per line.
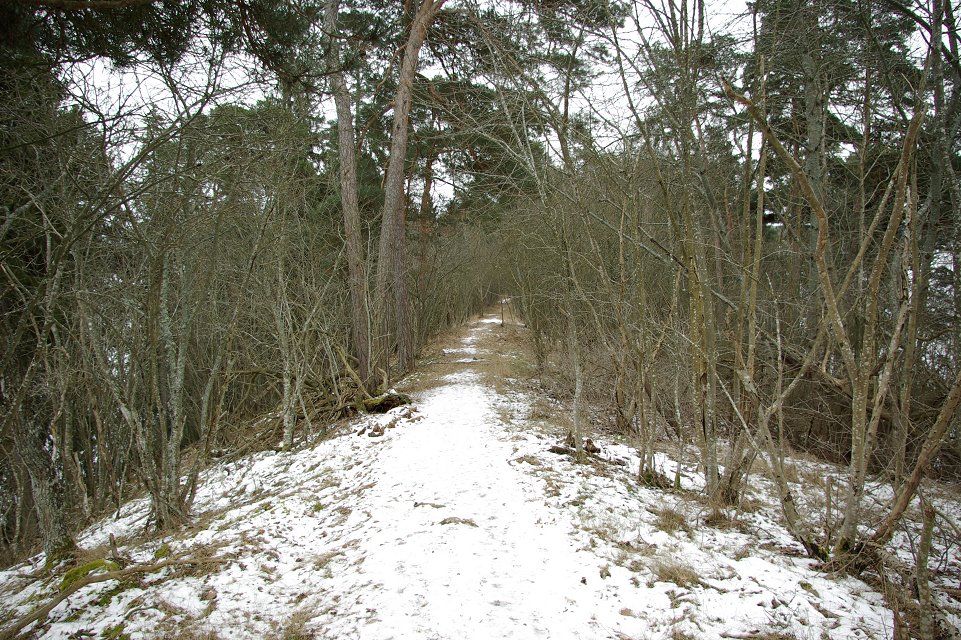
x=458, y=522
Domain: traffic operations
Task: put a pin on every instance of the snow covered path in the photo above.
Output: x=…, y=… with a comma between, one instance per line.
x=456, y=523
x=459, y=542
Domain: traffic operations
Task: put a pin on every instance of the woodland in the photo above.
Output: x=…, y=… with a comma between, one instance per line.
x=734, y=228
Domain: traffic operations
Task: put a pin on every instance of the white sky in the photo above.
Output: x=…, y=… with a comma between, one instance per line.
x=132, y=93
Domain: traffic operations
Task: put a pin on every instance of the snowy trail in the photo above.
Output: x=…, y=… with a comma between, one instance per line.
x=457, y=523
x=506, y=569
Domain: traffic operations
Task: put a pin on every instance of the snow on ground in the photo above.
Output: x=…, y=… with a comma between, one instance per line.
x=456, y=523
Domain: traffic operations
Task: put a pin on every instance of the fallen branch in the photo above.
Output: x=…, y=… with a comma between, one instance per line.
x=41, y=612
x=353, y=374
x=386, y=401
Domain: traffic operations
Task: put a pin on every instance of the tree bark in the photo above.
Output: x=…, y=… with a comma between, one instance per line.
x=356, y=261
x=392, y=254
x=922, y=576
x=47, y=490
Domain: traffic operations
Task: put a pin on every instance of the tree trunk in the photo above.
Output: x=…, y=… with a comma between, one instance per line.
x=425, y=218
x=47, y=489
x=392, y=255
x=356, y=261
x=814, y=145
x=922, y=576
x=930, y=448
x=288, y=406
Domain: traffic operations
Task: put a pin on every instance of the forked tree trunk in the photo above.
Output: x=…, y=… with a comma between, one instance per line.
x=866, y=371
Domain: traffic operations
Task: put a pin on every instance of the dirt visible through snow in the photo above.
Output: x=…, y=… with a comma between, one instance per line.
x=456, y=523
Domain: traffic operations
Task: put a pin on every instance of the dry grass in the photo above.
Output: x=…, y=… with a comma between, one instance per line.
x=322, y=560
x=505, y=415
x=813, y=477
x=791, y=473
x=670, y=520
x=744, y=552
x=295, y=628
x=541, y=409
x=655, y=479
x=720, y=519
x=434, y=364
x=86, y=556
x=506, y=358
x=750, y=505
x=455, y=520
x=497, y=370
x=629, y=555
x=551, y=488
x=430, y=376
x=763, y=467
x=670, y=570
x=177, y=625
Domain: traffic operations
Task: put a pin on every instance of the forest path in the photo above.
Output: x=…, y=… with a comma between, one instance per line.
x=451, y=520
x=455, y=537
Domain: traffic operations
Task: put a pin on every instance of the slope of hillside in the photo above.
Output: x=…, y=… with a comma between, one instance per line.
x=457, y=522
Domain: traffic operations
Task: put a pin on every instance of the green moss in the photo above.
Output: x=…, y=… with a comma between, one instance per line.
x=163, y=551
x=318, y=507
x=116, y=632
x=82, y=571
